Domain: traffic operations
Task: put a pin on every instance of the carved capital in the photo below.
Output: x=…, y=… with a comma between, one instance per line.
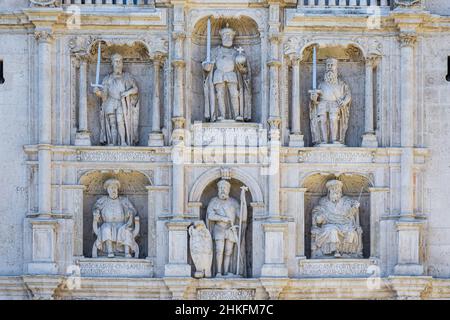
x=372, y=60
x=178, y=123
x=178, y=35
x=158, y=58
x=43, y=36
x=407, y=39
x=274, y=123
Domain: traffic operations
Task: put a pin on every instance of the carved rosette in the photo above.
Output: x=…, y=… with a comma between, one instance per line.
x=407, y=39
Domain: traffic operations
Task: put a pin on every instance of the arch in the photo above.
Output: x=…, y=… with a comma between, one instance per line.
x=333, y=43
x=207, y=177
x=236, y=17
x=146, y=50
x=131, y=180
x=321, y=177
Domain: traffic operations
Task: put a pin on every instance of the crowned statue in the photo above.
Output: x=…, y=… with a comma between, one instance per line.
x=336, y=231
x=330, y=107
x=116, y=223
x=227, y=85
x=227, y=220
x=119, y=113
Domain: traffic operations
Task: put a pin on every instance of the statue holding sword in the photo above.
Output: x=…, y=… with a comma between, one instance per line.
x=119, y=112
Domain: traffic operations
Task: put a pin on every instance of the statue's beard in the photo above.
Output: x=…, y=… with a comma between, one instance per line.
x=330, y=77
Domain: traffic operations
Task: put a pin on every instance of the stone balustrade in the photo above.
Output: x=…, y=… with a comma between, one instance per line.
x=343, y=3
x=133, y=3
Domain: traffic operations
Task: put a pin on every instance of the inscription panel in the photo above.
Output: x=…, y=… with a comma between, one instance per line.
x=229, y=294
x=117, y=268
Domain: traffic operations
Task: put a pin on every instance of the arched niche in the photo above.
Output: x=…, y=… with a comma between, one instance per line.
x=133, y=185
x=355, y=186
x=351, y=69
x=137, y=62
x=205, y=188
x=247, y=37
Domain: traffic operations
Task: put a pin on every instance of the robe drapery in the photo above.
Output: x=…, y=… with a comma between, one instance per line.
x=130, y=108
x=343, y=93
x=244, y=78
x=121, y=233
x=336, y=228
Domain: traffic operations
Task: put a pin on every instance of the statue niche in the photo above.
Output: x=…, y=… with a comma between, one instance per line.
x=117, y=101
x=129, y=209
x=332, y=105
x=226, y=70
x=337, y=216
x=222, y=248
x=115, y=223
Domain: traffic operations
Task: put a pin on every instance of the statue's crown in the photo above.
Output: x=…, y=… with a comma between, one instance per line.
x=227, y=30
x=223, y=182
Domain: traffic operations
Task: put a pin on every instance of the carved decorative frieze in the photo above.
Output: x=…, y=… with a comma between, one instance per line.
x=116, y=156
x=226, y=294
x=335, y=157
x=45, y=3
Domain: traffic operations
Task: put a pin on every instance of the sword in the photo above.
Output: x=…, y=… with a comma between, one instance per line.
x=97, y=75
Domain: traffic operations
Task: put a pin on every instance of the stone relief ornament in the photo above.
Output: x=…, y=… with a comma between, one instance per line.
x=44, y=3
x=330, y=108
x=116, y=223
x=119, y=112
x=201, y=248
x=407, y=3
x=336, y=231
x=227, y=85
x=227, y=222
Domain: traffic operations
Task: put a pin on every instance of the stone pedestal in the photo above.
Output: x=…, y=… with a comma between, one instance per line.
x=155, y=139
x=409, y=248
x=177, y=265
x=409, y=288
x=274, y=250
x=83, y=138
x=43, y=246
x=369, y=140
x=296, y=140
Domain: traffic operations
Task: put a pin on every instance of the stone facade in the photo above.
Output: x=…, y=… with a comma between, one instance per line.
x=392, y=55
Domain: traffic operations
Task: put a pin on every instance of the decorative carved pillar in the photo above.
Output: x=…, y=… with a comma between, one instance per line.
x=377, y=206
x=83, y=136
x=156, y=138
x=408, y=227
x=296, y=136
x=369, y=139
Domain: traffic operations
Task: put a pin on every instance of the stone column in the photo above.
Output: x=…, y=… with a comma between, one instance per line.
x=44, y=39
x=296, y=136
x=408, y=227
x=369, y=139
x=156, y=138
x=83, y=136
x=377, y=206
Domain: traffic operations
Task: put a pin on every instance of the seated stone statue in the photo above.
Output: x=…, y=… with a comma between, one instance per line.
x=335, y=231
x=115, y=224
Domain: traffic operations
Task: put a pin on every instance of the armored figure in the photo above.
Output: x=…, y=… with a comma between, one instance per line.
x=330, y=107
x=115, y=223
x=335, y=228
x=223, y=215
x=119, y=113
x=227, y=85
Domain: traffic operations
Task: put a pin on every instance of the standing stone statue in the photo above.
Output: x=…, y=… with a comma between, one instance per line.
x=119, y=113
x=227, y=85
x=201, y=247
x=116, y=223
x=335, y=228
x=227, y=221
x=330, y=107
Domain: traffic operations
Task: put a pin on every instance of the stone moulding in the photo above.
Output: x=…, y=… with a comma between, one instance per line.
x=335, y=267
x=120, y=267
